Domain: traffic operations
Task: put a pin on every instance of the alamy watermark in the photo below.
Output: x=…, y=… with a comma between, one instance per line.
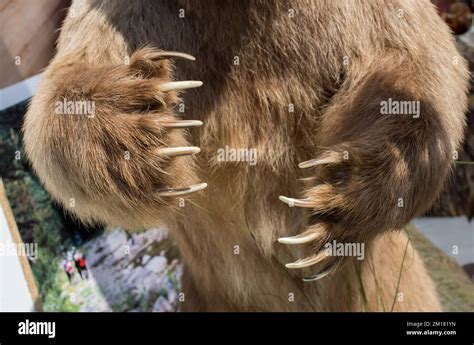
x=392, y=107
x=28, y=327
x=335, y=248
x=29, y=250
x=65, y=107
x=229, y=154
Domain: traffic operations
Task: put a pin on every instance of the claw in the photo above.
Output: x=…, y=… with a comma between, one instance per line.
x=296, y=202
x=182, y=123
x=175, y=54
x=329, y=159
x=181, y=191
x=309, y=261
x=179, y=151
x=305, y=237
x=179, y=85
x=323, y=273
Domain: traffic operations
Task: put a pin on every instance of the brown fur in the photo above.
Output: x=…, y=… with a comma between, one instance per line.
x=393, y=49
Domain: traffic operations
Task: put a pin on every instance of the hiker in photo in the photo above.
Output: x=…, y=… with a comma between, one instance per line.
x=77, y=258
x=83, y=265
x=80, y=262
x=69, y=269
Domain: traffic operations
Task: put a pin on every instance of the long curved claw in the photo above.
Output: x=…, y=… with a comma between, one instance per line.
x=309, y=261
x=305, y=237
x=330, y=158
x=181, y=191
x=182, y=123
x=323, y=273
x=296, y=202
x=179, y=151
x=171, y=54
x=179, y=85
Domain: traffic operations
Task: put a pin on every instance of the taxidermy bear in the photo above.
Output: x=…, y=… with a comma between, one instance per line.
x=304, y=125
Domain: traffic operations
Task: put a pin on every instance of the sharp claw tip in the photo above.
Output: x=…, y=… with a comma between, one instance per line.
x=167, y=192
x=179, y=151
x=295, y=202
x=289, y=201
x=183, y=123
x=315, y=277
x=306, y=164
x=180, y=85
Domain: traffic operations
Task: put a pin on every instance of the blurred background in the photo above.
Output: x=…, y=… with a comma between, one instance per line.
x=141, y=272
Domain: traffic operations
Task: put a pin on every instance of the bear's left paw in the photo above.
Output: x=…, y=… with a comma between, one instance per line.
x=352, y=197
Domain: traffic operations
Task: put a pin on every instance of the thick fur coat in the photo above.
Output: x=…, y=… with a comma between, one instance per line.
x=296, y=81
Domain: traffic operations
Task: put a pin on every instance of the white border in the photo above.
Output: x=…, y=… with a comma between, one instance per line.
x=19, y=92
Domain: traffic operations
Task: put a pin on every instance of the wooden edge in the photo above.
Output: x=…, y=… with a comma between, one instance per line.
x=30, y=280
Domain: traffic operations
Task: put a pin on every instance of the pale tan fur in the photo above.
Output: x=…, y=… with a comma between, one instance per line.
x=335, y=61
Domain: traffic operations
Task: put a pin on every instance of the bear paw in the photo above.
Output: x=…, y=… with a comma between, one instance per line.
x=353, y=195
x=127, y=158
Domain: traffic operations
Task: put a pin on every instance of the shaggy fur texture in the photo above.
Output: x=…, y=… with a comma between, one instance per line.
x=293, y=80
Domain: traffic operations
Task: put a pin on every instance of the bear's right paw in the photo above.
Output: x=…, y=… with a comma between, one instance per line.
x=130, y=155
x=153, y=64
